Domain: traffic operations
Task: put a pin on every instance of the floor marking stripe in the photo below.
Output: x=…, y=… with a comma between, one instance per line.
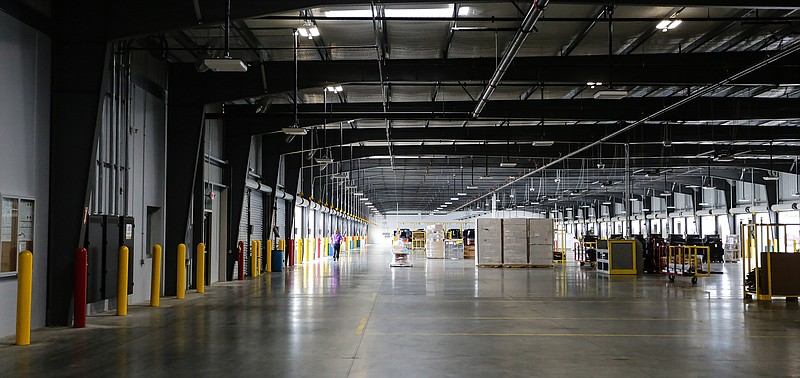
x=361, y=326
x=575, y=335
x=374, y=297
x=539, y=318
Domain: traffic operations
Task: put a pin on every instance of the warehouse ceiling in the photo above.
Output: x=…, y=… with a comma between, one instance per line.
x=585, y=93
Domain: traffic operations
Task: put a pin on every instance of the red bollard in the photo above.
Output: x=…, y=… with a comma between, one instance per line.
x=241, y=260
x=319, y=248
x=79, y=313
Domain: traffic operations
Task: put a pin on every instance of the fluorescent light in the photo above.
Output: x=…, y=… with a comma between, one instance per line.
x=634, y=199
x=471, y=187
x=448, y=203
x=464, y=11
x=294, y=131
x=724, y=158
x=610, y=94
x=335, y=89
x=585, y=206
x=340, y=175
x=443, y=206
x=606, y=202
x=461, y=194
x=308, y=31
x=453, y=198
x=771, y=177
x=363, y=13
x=703, y=203
x=324, y=160
x=542, y=143
x=368, y=203
x=358, y=194
x=420, y=12
x=486, y=177
x=508, y=164
x=665, y=194
x=225, y=64
x=363, y=199
x=644, y=209
x=668, y=25
x=692, y=186
x=350, y=187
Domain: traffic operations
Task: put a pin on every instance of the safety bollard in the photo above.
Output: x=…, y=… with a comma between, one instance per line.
x=79, y=303
x=24, y=292
x=269, y=256
x=181, y=289
x=241, y=260
x=300, y=251
x=259, y=257
x=155, y=278
x=201, y=268
x=122, y=282
x=252, y=258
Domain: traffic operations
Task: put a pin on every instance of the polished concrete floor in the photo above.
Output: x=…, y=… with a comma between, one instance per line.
x=360, y=318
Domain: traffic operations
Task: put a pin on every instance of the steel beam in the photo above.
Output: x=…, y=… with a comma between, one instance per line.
x=132, y=18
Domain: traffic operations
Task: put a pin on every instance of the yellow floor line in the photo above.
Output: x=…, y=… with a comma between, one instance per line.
x=361, y=325
x=576, y=335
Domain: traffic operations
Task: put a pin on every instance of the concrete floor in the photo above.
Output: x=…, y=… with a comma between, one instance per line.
x=360, y=318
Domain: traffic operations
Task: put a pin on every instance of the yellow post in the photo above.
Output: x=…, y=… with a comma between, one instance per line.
x=122, y=282
x=181, y=290
x=259, y=258
x=282, y=245
x=269, y=256
x=253, y=247
x=299, y=250
x=155, y=278
x=201, y=268
x=24, y=292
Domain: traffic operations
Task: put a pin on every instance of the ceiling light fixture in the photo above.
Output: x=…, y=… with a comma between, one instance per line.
x=462, y=194
x=226, y=63
x=670, y=24
x=294, y=131
x=324, y=160
x=542, y=143
x=610, y=94
x=441, y=12
x=508, y=164
x=471, y=187
x=592, y=84
x=335, y=89
x=453, y=198
x=448, y=203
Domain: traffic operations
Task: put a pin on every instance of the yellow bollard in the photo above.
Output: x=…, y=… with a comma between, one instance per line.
x=300, y=250
x=155, y=278
x=269, y=256
x=122, y=282
x=24, y=292
x=259, y=258
x=181, y=292
x=253, y=258
x=201, y=268
x=282, y=245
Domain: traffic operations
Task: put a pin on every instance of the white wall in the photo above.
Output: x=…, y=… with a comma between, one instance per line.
x=24, y=149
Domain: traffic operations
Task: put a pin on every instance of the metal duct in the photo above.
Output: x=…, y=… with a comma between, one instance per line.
x=784, y=206
x=302, y=202
x=720, y=211
x=661, y=215
x=255, y=185
x=511, y=52
x=740, y=210
x=759, y=209
x=703, y=212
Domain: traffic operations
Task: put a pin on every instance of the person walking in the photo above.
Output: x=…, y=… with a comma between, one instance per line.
x=337, y=244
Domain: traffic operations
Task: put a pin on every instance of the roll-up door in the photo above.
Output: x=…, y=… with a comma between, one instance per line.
x=257, y=215
x=280, y=213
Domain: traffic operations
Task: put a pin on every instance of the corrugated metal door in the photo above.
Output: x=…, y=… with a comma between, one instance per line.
x=257, y=215
x=280, y=213
x=243, y=230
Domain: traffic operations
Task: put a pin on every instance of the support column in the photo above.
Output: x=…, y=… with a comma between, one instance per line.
x=186, y=114
x=81, y=54
x=237, y=151
x=291, y=176
x=270, y=166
